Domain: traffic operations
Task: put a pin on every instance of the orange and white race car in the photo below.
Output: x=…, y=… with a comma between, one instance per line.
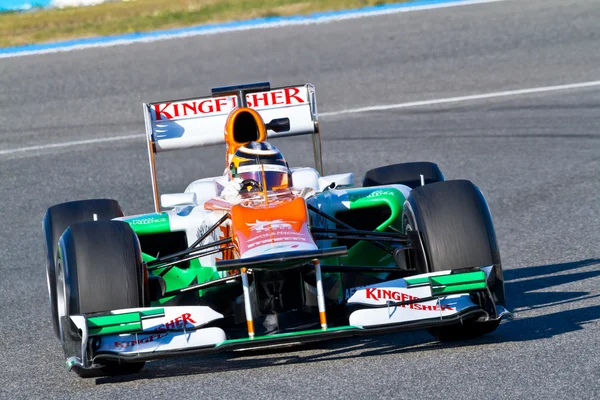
x=267, y=254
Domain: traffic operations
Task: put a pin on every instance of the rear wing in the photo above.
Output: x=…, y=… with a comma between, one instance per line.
x=200, y=122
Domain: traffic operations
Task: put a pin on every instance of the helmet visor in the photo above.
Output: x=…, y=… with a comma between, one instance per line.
x=276, y=176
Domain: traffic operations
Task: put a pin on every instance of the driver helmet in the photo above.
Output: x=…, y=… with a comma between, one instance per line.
x=251, y=159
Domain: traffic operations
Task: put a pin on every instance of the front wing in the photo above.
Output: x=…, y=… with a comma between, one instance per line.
x=421, y=301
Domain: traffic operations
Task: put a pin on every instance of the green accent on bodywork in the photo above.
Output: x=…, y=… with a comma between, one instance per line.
x=113, y=324
x=390, y=197
x=291, y=334
x=152, y=313
x=175, y=277
x=458, y=279
x=458, y=283
x=120, y=323
x=451, y=283
x=179, y=278
x=363, y=252
x=150, y=223
x=116, y=319
x=147, y=257
x=417, y=281
x=468, y=287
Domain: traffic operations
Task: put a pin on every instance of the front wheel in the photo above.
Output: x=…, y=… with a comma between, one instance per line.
x=58, y=218
x=456, y=232
x=99, y=268
x=411, y=174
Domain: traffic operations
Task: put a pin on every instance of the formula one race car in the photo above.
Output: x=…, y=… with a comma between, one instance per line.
x=266, y=254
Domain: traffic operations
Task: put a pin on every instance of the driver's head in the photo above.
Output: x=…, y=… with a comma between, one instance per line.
x=249, y=161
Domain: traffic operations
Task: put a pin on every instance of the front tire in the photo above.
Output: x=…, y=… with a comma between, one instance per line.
x=456, y=232
x=99, y=268
x=408, y=174
x=57, y=219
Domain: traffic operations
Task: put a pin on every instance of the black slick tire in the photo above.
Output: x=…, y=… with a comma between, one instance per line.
x=456, y=231
x=60, y=217
x=99, y=268
x=408, y=174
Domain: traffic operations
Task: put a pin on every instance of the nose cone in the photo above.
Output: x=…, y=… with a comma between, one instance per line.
x=274, y=229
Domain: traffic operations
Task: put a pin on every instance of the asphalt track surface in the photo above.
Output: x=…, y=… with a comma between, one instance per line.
x=535, y=156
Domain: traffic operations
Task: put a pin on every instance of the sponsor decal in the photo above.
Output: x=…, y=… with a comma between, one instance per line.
x=260, y=226
x=184, y=320
x=147, y=220
x=130, y=343
x=286, y=96
x=279, y=236
x=364, y=195
x=395, y=295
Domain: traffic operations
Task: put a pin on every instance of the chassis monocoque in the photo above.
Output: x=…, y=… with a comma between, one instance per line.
x=323, y=259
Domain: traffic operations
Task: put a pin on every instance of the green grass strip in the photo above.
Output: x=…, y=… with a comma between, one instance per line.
x=122, y=17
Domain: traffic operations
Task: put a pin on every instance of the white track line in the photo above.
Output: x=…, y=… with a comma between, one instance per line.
x=459, y=99
x=69, y=144
x=462, y=98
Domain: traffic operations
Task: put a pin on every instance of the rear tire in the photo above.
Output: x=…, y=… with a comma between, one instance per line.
x=408, y=174
x=57, y=219
x=456, y=232
x=99, y=268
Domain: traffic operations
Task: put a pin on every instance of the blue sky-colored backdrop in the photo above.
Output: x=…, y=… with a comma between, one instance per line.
x=9, y=5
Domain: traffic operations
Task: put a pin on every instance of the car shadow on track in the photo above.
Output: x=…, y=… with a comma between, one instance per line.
x=521, y=287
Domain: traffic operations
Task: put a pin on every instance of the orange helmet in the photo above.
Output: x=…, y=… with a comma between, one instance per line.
x=250, y=160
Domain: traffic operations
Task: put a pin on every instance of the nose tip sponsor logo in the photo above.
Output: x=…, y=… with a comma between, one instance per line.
x=260, y=226
x=184, y=320
x=159, y=332
x=130, y=343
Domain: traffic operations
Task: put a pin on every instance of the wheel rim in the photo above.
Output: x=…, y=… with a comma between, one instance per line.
x=49, y=286
x=409, y=224
x=61, y=304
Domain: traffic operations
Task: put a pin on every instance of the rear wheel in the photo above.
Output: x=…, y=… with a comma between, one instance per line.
x=456, y=232
x=408, y=174
x=57, y=219
x=99, y=268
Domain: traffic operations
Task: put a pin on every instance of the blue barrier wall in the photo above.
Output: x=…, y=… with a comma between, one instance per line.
x=17, y=5
x=13, y=5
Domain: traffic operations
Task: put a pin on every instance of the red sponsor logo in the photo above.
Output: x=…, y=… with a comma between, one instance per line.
x=179, y=322
x=286, y=96
x=131, y=343
x=394, y=295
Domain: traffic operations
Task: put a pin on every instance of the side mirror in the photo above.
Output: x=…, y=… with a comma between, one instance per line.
x=335, y=181
x=177, y=200
x=279, y=125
